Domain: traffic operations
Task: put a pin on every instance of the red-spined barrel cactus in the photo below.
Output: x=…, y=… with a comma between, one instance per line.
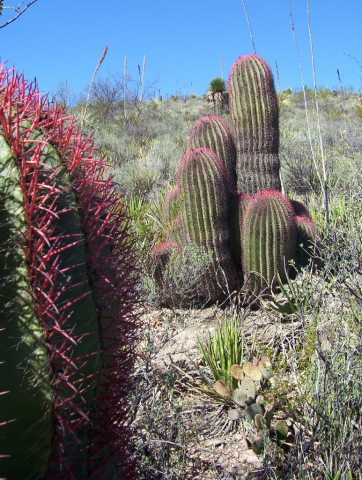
x=255, y=121
x=268, y=239
x=213, y=133
x=67, y=279
x=204, y=215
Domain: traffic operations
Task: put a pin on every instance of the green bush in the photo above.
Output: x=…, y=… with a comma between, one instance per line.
x=217, y=85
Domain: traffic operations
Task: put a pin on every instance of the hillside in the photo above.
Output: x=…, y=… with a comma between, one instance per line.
x=310, y=330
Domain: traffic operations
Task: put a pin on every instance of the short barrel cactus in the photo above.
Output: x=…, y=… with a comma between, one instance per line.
x=268, y=240
x=68, y=296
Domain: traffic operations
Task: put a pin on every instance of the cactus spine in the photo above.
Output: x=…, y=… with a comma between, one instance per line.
x=67, y=298
x=254, y=115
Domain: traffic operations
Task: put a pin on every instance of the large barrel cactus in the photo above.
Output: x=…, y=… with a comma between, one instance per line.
x=255, y=120
x=67, y=298
x=204, y=214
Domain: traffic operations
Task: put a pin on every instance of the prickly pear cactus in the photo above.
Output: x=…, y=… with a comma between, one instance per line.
x=67, y=278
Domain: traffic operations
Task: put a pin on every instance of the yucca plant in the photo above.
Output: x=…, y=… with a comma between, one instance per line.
x=68, y=293
x=223, y=349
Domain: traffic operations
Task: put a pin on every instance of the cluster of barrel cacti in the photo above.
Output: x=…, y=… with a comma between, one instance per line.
x=68, y=297
x=228, y=193
x=248, y=403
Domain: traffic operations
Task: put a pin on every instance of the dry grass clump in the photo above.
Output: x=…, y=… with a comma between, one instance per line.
x=341, y=130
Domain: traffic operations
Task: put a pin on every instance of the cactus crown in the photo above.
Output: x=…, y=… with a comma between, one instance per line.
x=253, y=104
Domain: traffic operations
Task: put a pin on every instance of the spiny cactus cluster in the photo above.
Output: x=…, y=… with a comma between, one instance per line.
x=251, y=405
x=68, y=293
x=227, y=196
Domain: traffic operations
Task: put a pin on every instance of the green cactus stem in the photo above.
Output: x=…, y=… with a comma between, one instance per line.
x=251, y=411
x=213, y=133
x=281, y=429
x=68, y=293
x=247, y=387
x=255, y=121
x=268, y=240
x=238, y=206
x=204, y=213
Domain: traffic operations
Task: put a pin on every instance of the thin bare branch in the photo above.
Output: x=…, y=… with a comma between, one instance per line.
x=92, y=81
x=19, y=11
x=305, y=99
x=247, y=19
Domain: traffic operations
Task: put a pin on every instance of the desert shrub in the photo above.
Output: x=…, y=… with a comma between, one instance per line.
x=341, y=134
x=217, y=85
x=182, y=279
x=326, y=362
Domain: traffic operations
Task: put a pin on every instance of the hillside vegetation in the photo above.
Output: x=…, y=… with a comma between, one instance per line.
x=315, y=382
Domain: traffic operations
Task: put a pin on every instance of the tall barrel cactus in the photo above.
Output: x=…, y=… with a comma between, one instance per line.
x=213, y=133
x=268, y=239
x=254, y=116
x=204, y=213
x=67, y=279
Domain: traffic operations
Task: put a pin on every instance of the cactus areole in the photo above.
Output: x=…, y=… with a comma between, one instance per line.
x=67, y=297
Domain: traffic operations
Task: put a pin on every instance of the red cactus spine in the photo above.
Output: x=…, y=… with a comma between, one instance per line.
x=67, y=307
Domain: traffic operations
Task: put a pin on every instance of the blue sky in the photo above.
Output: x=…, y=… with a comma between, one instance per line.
x=183, y=41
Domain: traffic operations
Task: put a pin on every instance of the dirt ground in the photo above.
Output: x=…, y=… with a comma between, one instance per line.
x=170, y=347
